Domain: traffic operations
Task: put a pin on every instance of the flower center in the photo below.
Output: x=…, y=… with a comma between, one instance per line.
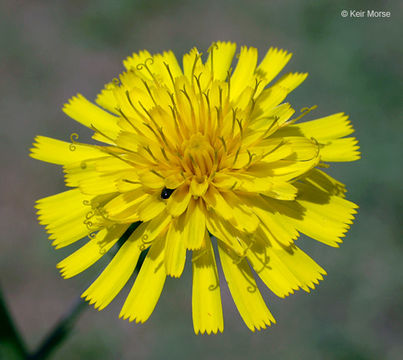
x=198, y=156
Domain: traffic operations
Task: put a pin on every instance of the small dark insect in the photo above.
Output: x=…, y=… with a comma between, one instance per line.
x=166, y=193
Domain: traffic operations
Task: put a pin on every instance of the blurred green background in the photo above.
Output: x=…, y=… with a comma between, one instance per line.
x=50, y=50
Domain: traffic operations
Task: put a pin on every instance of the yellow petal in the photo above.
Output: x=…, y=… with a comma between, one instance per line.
x=223, y=232
x=150, y=230
x=243, y=74
x=276, y=276
x=151, y=207
x=78, y=171
x=49, y=208
x=125, y=204
x=170, y=58
x=325, y=182
x=165, y=66
x=244, y=218
x=179, y=200
x=107, y=100
x=152, y=179
x=264, y=185
x=147, y=288
x=329, y=127
x=174, y=181
x=91, y=181
x=91, y=252
x=285, y=269
x=340, y=150
x=206, y=297
x=291, y=81
x=195, y=225
x=273, y=62
x=61, y=152
x=215, y=200
x=64, y=215
x=136, y=59
x=221, y=54
x=104, y=289
x=267, y=107
x=111, y=164
x=283, y=170
x=244, y=291
x=100, y=183
x=271, y=155
x=175, y=250
x=306, y=270
x=274, y=225
x=303, y=149
x=282, y=191
x=90, y=115
x=328, y=131
x=191, y=61
x=198, y=187
x=129, y=140
x=269, y=98
x=325, y=217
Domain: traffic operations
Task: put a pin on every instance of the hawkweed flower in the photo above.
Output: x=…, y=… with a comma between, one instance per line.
x=207, y=160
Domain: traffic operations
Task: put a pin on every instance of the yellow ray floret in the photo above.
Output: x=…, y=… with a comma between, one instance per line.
x=191, y=159
x=244, y=291
x=104, y=289
x=220, y=56
x=175, y=249
x=61, y=152
x=147, y=288
x=206, y=298
x=66, y=217
x=90, y=115
x=91, y=252
x=273, y=62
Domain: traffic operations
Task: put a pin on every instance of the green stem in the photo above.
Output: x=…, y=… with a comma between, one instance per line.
x=9, y=336
x=64, y=327
x=60, y=332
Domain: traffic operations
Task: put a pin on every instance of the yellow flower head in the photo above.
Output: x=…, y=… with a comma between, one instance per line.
x=199, y=157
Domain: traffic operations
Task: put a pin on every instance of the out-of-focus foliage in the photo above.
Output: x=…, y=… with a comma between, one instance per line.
x=51, y=50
